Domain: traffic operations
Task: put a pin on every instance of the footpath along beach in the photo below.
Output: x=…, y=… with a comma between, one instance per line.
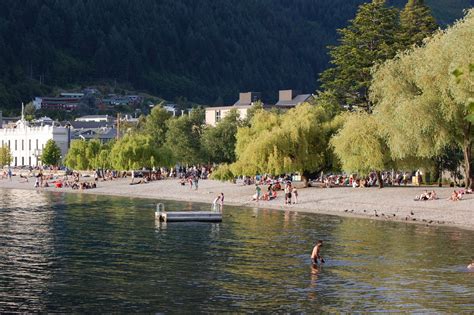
x=390, y=203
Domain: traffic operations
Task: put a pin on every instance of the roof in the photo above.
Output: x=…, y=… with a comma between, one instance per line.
x=88, y=124
x=295, y=101
x=95, y=133
x=93, y=117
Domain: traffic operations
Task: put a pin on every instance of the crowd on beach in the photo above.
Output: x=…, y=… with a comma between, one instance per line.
x=388, y=179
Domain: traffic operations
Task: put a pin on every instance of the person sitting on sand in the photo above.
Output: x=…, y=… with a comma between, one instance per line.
x=432, y=195
x=24, y=177
x=454, y=196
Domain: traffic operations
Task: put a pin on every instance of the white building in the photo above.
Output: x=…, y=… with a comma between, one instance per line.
x=27, y=142
x=287, y=99
x=95, y=118
x=245, y=101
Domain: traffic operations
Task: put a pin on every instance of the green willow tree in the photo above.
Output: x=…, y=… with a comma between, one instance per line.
x=360, y=146
x=135, y=151
x=51, y=153
x=5, y=156
x=296, y=141
x=423, y=107
x=416, y=24
x=87, y=155
x=369, y=39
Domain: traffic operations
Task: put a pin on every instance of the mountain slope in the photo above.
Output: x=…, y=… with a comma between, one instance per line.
x=204, y=50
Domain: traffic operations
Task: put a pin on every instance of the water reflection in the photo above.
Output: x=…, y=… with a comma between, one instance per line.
x=85, y=253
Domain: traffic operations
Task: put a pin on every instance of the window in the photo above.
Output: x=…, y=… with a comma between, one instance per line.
x=16, y=147
x=9, y=144
x=218, y=115
x=29, y=160
x=29, y=144
x=22, y=145
x=22, y=160
x=15, y=162
x=37, y=144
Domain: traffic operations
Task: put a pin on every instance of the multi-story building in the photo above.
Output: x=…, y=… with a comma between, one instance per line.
x=245, y=101
x=287, y=99
x=26, y=142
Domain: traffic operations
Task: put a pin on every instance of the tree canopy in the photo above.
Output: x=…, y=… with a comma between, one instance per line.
x=369, y=38
x=5, y=156
x=51, y=153
x=422, y=104
x=296, y=141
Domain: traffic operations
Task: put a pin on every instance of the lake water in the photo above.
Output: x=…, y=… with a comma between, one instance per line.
x=84, y=253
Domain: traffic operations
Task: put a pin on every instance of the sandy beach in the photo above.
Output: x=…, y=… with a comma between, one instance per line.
x=390, y=203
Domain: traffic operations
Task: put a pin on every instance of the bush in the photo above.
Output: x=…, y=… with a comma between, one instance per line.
x=223, y=173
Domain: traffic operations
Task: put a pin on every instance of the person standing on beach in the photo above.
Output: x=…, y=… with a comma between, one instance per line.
x=288, y=189
x=294, y=192
x=316, y=254
x=10, y=172
x=258, y=190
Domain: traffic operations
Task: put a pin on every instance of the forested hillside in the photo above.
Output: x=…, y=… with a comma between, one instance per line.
x=204, y=50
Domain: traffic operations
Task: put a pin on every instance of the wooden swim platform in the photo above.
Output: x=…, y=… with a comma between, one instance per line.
x=186, y=216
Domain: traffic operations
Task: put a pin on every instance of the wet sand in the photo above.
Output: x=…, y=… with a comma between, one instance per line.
x=390, y=203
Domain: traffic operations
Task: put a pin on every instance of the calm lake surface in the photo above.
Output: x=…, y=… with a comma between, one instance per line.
x=84, y=253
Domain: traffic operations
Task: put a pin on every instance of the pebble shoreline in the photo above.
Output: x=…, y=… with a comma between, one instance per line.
x=389, y=203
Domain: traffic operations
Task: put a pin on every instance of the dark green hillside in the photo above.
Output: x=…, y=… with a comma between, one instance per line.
x=205, y=50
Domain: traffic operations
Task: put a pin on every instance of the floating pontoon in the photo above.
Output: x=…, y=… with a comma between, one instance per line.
x=183, y=216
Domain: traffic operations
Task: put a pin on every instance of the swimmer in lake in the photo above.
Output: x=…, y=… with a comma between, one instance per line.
x=316, y=254
x=471, y=265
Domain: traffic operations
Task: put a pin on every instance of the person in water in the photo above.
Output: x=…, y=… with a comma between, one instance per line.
x=471, y=265
x=316, y=254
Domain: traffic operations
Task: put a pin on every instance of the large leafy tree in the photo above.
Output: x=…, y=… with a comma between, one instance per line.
x=135, y=151
x=424, y=107
x=86, y=155
x=51, y=153
x=218, y=142
x=360, y=146
x=155, y=124
x=183, y=138
x=416, y=24
x=370, y=38
x=5, y=156
x=296, y=141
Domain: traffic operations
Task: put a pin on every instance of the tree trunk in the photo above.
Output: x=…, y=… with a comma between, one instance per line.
x=467, y=150
x=467, y=167
x=305, y=179
x=379, y=179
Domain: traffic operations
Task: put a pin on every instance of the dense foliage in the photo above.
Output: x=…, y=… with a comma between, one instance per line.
x=51, y=153
x=204, y=50
x=424, y=97
x=5, y=156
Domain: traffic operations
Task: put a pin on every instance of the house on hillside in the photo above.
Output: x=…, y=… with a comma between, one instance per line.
x=286, y=99
x=290, y=98
x=245, y=101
